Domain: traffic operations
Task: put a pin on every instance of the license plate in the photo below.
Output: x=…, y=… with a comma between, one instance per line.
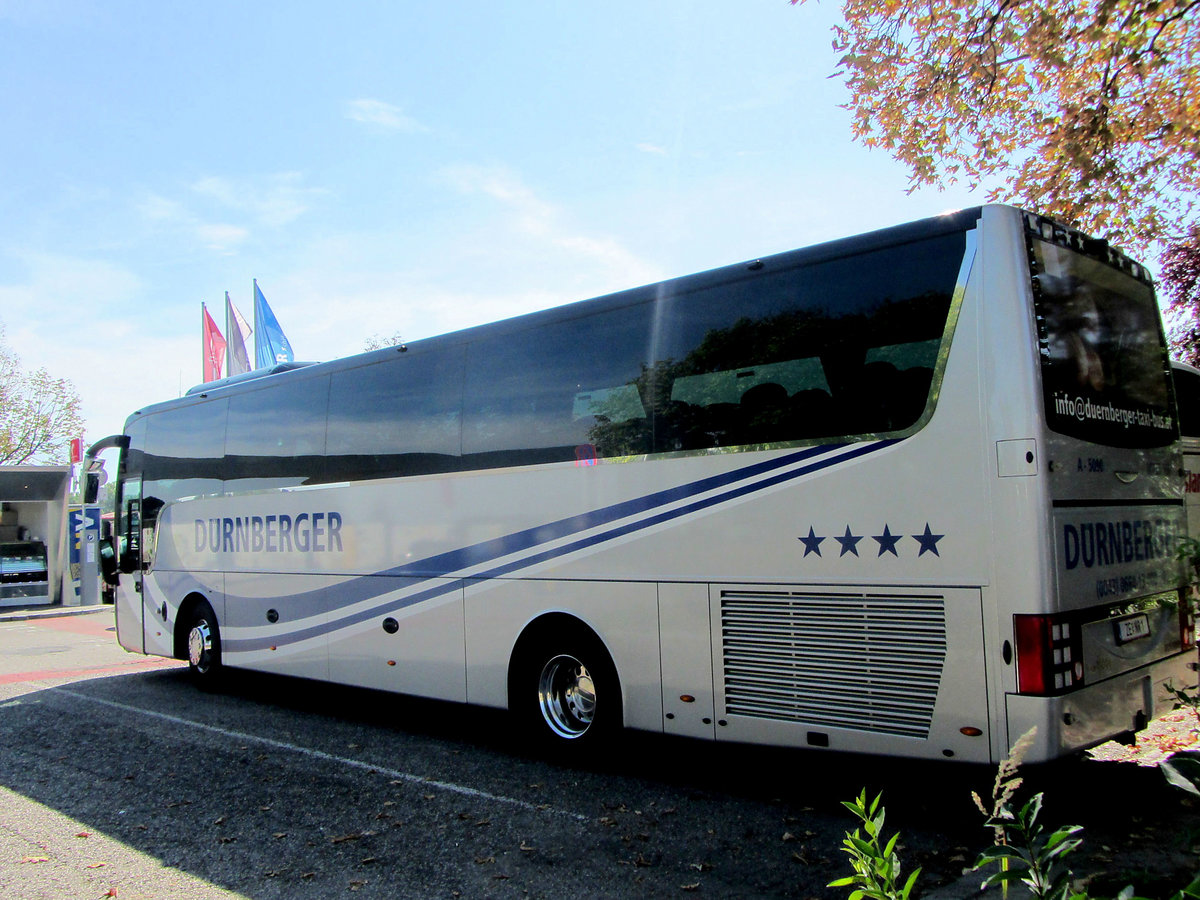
x=1131, y=628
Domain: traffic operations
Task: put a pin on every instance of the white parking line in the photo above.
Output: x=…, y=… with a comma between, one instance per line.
x=394, y=774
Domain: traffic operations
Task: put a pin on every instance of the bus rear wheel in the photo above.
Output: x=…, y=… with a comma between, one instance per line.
x=204, y=645
x=565, y=692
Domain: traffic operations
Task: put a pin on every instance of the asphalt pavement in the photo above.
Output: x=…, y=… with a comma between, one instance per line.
x=44, y=853
x=144, y=787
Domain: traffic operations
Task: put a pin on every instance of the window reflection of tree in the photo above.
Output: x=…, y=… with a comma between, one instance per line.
x=858, y=397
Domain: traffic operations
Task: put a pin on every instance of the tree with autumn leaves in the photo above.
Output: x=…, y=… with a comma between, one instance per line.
x=1181, y=284
x=1087, y=110
x=39, y=414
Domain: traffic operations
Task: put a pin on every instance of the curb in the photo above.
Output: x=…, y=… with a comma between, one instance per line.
x=53, y=612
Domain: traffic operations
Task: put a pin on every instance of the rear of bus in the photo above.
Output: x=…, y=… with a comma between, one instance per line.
x=1116, y=625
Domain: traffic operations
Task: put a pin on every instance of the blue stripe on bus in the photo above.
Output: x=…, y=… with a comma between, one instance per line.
x=444, y=565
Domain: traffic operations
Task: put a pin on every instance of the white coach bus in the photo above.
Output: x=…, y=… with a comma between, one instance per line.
x=910, y=493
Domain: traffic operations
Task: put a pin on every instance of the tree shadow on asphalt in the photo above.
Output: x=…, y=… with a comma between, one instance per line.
x=930, y=801
x=1077, y=788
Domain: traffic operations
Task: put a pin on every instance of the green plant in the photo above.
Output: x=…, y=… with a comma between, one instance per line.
x=877, y=870
x=1022, y=851
x=1029, y=855
x=1187, y=549
x=1184, y=773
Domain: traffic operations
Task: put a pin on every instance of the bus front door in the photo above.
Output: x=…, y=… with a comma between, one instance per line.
x=130, y=608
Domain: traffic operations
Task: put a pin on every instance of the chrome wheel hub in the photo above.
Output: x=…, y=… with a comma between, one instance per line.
x=200, y=646
x=567, y=697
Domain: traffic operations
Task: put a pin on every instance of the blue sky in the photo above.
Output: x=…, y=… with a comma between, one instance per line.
x=386, y=167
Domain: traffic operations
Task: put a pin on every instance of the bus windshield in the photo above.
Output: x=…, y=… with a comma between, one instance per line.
x=1105, y=374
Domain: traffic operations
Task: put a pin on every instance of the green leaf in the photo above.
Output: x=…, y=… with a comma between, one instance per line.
x=1032, y=808
x=1004, y=877
x=1183, y=773
x=861, y=846
x=999, y=852
x=891, y=845
x=1191, y=891
x=1061, y=835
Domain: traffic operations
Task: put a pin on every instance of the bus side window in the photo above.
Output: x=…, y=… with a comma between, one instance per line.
x=539, y=395
x=1187, y=398
x=129, y=552
x=397, y=416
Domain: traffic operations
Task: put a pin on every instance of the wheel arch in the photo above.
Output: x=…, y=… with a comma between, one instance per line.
x=183, y=619
x=542, y=628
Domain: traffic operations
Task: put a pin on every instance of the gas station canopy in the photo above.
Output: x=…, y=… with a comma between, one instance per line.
x=19, y=484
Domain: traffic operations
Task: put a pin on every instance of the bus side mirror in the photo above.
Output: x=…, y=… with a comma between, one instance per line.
x=108, y=562
x=91, y=487
x=93, y=479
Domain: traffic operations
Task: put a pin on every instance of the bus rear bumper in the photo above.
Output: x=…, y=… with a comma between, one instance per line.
x=1111, y=709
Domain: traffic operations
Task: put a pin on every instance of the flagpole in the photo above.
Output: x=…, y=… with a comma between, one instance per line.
x=203, y=342
x=257, y=331
x=228, y=348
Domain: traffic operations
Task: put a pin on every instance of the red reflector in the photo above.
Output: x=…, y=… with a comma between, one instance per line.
x=1032, y=635
x=1049, y=654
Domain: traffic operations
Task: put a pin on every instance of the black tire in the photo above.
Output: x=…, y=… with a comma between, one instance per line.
x=202, y=641
x=564, y=691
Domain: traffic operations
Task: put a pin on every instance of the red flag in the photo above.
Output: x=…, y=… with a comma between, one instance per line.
x=214, y=347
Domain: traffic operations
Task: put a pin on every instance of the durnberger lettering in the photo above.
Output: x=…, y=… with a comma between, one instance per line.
x=1107, y=543
x=315, y=532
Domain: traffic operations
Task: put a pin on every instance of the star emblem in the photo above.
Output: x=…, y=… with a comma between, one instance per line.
x=887, y=541
x=849, y=542
x=812, y=543
x=928, y=541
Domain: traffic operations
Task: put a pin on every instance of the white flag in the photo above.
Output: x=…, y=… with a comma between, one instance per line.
x=238, y=333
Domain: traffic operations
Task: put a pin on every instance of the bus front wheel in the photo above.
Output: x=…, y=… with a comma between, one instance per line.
x=204, y=645
x=565, y=691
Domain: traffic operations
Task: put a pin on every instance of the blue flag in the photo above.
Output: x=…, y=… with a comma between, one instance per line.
x=271, y=345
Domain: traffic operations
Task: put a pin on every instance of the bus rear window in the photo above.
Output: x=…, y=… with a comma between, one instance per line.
x=1104, y=360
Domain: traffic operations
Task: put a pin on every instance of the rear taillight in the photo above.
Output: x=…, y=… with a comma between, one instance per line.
x=1187, y=620
x=1049, y=654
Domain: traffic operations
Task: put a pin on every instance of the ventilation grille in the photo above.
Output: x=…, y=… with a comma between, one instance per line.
x=861, y=661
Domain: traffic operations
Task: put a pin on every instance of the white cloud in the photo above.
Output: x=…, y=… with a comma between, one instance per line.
x=653, y=149
x=542, y=221
x=273, y=201
x=161, y=209
x=219, y=213
x=222, y=238
x=62, y=288
x=533, y=214
x=504, y=250
x=385, y=115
